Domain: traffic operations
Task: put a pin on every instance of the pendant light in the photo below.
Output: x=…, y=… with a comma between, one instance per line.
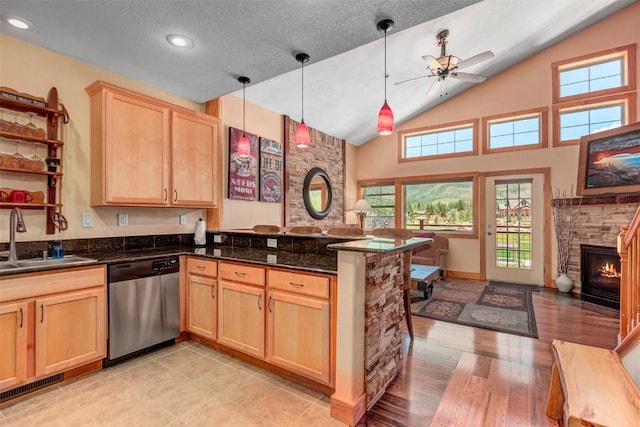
x=385, y=116
x=244, y=146
x=302, y=133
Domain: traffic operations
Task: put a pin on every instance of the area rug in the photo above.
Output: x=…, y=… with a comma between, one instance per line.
x=501, y=307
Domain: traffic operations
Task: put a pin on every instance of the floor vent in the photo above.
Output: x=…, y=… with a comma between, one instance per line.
x=10, y=394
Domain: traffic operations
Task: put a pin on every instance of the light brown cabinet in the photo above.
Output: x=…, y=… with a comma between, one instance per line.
x=69, y=330
x=13, y=344
x=299, y=323
x=241, y=308
x=202, y=302
x=51, y=322
x=146, y=152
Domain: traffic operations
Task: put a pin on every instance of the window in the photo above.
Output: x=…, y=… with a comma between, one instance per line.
x=575, y=120
x=513, y=224
x=382, y=198
x=515, y=131
x=448, y=140
x=439, y=205
x=597, y=74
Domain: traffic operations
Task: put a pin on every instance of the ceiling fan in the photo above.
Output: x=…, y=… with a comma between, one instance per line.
x=447, y=66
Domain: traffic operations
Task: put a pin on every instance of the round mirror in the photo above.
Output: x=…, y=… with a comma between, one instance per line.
x=317, y=193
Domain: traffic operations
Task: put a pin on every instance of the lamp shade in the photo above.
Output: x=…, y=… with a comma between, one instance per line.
x=362, y=206
x=244, y=147
x=385, y=120
x=302, y=135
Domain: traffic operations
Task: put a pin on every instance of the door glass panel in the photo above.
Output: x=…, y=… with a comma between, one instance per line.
x=513, y=224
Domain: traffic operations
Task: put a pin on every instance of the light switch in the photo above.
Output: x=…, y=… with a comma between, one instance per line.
x=183, y=219
x=87, y=220
x=272, y=243
x=272, y=258
x=217, y=238
x=123, y=220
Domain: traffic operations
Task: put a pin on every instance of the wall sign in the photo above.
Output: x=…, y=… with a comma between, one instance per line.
x=271, y=167
x=243, y=173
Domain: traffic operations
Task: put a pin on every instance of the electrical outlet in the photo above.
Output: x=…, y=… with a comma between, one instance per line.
x=272, y=243
x=123, y=220
x=217, y=238
x=183, y=219
x=272, y=258
x=87, y=220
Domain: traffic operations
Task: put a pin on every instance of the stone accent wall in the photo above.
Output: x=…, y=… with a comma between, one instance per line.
x=326, y=152
x=597, y=225
x=384, y=314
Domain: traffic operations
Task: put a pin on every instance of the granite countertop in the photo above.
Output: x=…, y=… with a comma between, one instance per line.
x=276, y=258
x=379, y=244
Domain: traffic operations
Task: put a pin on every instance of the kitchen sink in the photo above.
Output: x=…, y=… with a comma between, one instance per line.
x=38, y=263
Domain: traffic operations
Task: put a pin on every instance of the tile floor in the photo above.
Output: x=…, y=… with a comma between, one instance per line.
x=187, y=384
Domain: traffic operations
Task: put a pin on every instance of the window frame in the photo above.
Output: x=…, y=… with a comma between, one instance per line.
x=403, y=134
x=629, y=111
x=626, y=53
x=400, y=204
x=543, y=115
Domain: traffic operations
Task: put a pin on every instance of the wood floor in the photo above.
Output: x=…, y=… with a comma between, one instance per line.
x=462, y=376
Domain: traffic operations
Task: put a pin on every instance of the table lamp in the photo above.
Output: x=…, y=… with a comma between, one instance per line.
x=361, y=208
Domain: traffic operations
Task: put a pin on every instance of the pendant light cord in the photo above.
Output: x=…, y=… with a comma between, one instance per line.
x=385, y=65
x=302, y=90
x=244, y=106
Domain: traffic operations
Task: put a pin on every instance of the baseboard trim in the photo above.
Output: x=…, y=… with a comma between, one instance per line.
x=453, y=274
x=349, y=413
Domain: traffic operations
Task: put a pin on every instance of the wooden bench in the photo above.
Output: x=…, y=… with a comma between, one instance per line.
x=591, y=387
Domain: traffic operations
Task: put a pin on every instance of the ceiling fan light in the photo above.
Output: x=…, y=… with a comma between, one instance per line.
x=244, y=147
x=448, y=61
x=302, y=135
x=385, y=120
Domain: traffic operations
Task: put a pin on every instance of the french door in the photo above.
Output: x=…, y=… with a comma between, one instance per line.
x=514, y=242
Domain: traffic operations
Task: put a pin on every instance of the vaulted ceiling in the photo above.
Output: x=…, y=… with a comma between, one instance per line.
x=343, y=81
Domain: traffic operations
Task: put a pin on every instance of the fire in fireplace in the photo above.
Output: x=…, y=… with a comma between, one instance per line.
x=600, y=267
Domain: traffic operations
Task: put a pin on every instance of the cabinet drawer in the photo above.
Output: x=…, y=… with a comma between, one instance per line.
x=305, y=284
x=242, y=273
x=30, y=285
x=203, y=267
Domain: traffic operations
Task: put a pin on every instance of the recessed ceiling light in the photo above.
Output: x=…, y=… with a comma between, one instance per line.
x=21, y=24
x=180, y=41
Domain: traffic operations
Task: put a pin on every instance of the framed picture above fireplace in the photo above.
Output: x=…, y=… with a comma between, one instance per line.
x=609, y=162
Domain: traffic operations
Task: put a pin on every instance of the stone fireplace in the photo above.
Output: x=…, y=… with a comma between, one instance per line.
x=600, y=273
x=598, y=223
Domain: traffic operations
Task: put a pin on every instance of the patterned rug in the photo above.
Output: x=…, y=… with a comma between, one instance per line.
x=501, y=307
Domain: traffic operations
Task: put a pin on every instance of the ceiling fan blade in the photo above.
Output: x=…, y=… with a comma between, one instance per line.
x=466, y=77
x=410, y=80
x=475, y=59
x=434, y=86
x=431, y=63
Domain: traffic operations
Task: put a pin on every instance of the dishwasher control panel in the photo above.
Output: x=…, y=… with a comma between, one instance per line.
x=165, y=266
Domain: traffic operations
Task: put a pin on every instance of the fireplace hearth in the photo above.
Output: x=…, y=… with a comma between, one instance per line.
x=600, y=270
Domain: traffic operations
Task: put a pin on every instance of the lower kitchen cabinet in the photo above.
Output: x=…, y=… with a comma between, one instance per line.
x=70, y=330
x=241, y=318
x=241, y=308
x=51, y=322
x=299, y=323
x=201, y=298
x=13, y=344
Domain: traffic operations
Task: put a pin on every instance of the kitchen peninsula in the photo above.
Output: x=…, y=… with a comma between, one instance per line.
x=325, y=308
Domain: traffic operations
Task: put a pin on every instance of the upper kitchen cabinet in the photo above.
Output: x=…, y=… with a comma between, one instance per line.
x=146, y=152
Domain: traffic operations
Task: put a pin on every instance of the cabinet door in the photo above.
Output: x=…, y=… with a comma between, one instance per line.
x=13, y=344
x=201, y=306
x=241, y=317
x=135, y=151
x=298, y=334
x=193, y=150
x=70, y=330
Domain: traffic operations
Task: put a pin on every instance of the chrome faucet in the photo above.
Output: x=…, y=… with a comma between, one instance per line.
x=16, y=223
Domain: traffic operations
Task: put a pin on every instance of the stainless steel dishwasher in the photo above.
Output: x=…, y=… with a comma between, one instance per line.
x=144, y=307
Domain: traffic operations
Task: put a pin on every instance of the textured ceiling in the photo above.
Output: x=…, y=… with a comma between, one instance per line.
x=344, y=80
